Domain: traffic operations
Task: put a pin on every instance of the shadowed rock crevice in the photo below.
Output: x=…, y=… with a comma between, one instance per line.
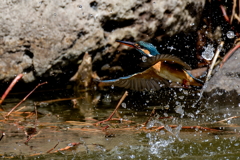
x=29, y=53
x=111, y=25
x=94, y=5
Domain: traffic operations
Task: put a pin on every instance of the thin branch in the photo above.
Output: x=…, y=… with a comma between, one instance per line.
x=24, y=98
x=209, y=73
x=16, y=79
x=214, y=60
x=53, y=148
x=233, y=10
x=118, y=105
x=224, y=14
x=229, y=54
x=151, y=114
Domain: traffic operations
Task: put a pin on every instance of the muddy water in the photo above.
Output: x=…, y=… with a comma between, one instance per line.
x=68, y=125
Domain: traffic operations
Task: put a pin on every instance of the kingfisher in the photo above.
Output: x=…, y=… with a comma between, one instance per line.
x=163, y=70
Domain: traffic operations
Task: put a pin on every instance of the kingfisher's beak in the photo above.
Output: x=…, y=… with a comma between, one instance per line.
x=136, y=46
x=130, y=44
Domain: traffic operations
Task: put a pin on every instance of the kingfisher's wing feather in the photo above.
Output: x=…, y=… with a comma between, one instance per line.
x=146, y=80
x=150, y=61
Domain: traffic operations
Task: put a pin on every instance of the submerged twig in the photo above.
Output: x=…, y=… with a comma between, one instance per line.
x=119, y=103
x=53, y=148
x=16, y=79
x=25, y=98
x=58, y=100
x=227, y=119
x=188, y=127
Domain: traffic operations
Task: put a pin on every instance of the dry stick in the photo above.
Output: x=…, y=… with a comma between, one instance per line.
x=53, y=148
x=233, y=10
x=25, y=98
x=238, y=10
x=227, y=119
x=119, y=103
x=151, y=114
x=237, y=17
x=219, y=48
x=16, y=79
x=224, y=14
x=214, y=61
x=229, y=54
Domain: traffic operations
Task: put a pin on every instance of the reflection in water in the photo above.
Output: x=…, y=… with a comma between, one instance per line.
x=70, y=121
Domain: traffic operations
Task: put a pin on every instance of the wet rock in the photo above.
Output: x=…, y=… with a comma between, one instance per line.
x=227, y=78
x=42, y=38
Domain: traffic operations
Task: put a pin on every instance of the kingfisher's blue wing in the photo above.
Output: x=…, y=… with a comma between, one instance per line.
x=150, y=61
x=146, y=80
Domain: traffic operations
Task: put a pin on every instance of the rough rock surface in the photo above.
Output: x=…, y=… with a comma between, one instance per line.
x=228, y=77
x=42, y=38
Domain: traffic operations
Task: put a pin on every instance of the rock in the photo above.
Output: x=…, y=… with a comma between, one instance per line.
x=228, y=77
x=44, y=38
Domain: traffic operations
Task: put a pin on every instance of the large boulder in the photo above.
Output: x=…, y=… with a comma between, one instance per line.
x=43, y=38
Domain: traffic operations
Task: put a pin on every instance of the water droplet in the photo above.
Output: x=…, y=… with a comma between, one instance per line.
x=132, y=156
x=70, y=145
x=144, y=58
x=230, y=34
x=208, y=53
x=80, y=6
x=192, y=24
x=124, y=105
x=181, y=97
x=112, y=86
x=166, y=107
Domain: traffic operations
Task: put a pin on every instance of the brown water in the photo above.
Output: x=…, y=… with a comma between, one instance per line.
x=70, y=123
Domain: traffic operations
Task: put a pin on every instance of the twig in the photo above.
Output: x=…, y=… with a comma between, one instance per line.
x=24, y=98
x=224, y=13
x=151, y=114
x=119, y=103
x=29, y=138
x=237, y=17
x=230, y=118
x=53, y=148
x=214, y=60
x=35, y=107
x=58, y=100
x=3, y=134
x=233, y=11
x=209, y=73
x=189, y=127
x=16, y=79
x=229, y=54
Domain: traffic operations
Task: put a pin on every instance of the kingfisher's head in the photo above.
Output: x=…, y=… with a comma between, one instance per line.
x=143, y=47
